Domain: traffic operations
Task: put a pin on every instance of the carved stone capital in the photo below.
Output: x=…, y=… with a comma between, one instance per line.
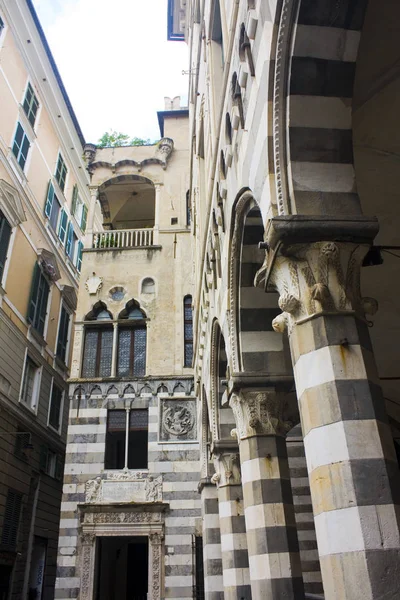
x=320, y=277
x=88, y=539
x=260, y=412
x=227, y=469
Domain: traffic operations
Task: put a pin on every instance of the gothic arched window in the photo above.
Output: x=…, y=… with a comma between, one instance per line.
x=188, y=330
x=97, y=352
x=132, y=341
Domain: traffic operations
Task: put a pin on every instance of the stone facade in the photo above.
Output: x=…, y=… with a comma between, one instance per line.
x=291, y=115
x=126, y=265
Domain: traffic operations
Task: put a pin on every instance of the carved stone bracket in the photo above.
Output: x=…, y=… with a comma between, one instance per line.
x=227, y=469
x=259, y=412
x=316, y=278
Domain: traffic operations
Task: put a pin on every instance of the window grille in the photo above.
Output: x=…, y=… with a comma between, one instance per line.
x=188, y=330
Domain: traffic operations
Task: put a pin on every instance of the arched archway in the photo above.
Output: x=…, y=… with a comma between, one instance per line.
x=255, y=347
x=128, y=202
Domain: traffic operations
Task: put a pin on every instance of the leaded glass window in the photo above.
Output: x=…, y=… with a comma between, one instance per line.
x=188, y=330
x=132, y=352
x=97, y=354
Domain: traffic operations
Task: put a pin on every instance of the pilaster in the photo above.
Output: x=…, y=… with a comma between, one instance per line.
x=235, y=560
x=273, y=550
x=350, y=456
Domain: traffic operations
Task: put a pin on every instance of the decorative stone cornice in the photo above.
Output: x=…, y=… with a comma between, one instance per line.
x=323, y=277
x=48, y=262
x=227, y=469
x=259, y=412
x=11, y=203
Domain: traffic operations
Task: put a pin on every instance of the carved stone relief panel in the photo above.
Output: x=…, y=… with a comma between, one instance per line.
x=177, y=420
x=124, y=487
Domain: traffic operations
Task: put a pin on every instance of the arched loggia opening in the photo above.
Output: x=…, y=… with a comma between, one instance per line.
x=223, y=414
x=128, y=202
x=256, y=347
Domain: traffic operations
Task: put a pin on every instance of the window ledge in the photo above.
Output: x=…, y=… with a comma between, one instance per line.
x=31, y=411
x=35, y=337
x=60, y=364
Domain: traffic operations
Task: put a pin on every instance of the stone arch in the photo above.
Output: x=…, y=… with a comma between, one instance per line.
x=311, y=87
x=222, y=419
x=255, y=347
x=127, y=202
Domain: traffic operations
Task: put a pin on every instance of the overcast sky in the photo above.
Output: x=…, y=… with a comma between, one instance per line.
x=115, y=62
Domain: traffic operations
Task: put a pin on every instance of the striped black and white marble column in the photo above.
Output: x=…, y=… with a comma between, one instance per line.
x=213, y=584
x=351, y=461
x=273, y=548
x=235, y=560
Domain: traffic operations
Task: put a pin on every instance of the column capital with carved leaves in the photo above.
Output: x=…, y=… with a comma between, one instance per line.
x=314, y=263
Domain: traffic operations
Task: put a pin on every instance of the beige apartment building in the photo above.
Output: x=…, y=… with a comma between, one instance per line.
x=44, y=200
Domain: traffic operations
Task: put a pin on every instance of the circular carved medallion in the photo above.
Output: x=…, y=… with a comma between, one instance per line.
x=178, y=420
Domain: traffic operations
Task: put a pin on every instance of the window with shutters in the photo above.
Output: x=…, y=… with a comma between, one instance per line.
x=5, y=234
x=97, y=351
x=79, y=253
x=56, y=403
x=71, y=241
x=51, y=463
x=40, y=290
x=62, y=228
x=30, y=104
x=52, y=208
x=21, y=145
x=61, y=172
x=63, y=334
x=79, y=209
x=126, y=439
x=188, y=330
x=12, y=512
x=132, y=342
x=30, y=384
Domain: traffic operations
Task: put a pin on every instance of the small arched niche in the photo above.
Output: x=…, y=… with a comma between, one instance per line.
x=148, y=286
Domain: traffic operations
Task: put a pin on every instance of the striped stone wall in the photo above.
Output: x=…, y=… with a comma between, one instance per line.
x=176, y=463
x=303, y=512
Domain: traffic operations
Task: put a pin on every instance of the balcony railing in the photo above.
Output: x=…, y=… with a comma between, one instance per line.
x=123, y=238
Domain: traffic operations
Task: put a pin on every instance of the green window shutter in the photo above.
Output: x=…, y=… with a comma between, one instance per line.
x=63, y=334
x=5, y=234
x=79, y=257
x=62, y=229
x=84, y=218
x=49, y=200
x=43, y=458
x=74, y=199
x=69, y=238
x=43, y=296
x=33, y=300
